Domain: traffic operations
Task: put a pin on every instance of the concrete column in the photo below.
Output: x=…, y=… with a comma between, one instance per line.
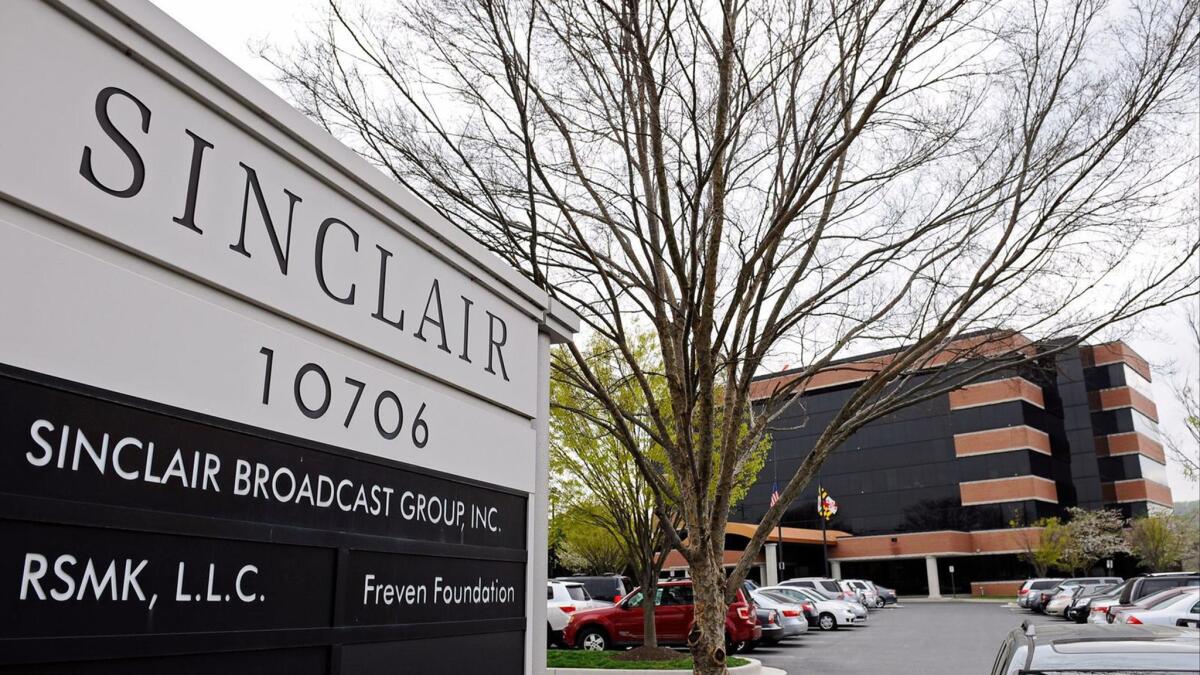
x=931, y=573
x=772, y=571
x=835, y=567
x=538, y=519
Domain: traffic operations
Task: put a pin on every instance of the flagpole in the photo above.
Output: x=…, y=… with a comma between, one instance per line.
x=824, y=545
x=778, y=524
x=824, y=520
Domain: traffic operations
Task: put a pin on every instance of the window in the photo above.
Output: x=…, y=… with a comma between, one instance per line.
x=1145, y=425
x=1152, y=586
x=1135, y=381
x=549, y=592
x=676, y=595
x=636, y=599
x=1152, y=470
x=831, y=586
x=1043, y=585
x=578, y=593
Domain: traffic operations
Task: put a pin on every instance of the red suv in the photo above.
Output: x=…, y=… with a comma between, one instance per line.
x=608, y=627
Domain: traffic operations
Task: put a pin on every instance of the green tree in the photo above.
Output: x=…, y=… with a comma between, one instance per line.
x=1161, y=541
x=586, y=547
x=1045, y=551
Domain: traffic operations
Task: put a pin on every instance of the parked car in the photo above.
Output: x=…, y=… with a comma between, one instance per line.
x=1097, y=607
x=768, y=623
x=1067, y=648
x=827, y=587
x=1060, y=600
x=1147, y=585
x=1031, y=586
x=887, y=596
x=556, y=621
x=1064, y=593
x=1040, y=601
x=570, y=596
x=831, y=614
x=864, y=591
x=791, y=614
x=621, y=624
x=1078, y=609
x=1164, y=608
x=607, y=587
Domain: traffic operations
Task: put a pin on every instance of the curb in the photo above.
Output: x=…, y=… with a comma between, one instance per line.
x=755, y=667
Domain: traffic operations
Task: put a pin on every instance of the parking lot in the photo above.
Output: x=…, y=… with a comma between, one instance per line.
x=922, y=638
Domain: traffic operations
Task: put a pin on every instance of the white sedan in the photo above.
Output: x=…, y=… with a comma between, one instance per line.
x=1166, y=610
x=830, y=613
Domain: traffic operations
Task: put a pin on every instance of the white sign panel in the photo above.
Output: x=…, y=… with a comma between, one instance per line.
x=195, y=354
x=105, y=144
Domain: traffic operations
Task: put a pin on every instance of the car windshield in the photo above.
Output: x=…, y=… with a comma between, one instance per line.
x=811, y=594
x=831, y=586
x=784, y=597
x=1152, y=600
x=1166, y=599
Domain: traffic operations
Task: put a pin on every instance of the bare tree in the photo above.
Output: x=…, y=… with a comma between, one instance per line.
x=1186, y=451
x=759, y=182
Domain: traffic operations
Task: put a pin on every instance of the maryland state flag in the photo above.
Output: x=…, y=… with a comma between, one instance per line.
x=826, y=506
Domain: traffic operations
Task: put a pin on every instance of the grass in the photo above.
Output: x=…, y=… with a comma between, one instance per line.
x=558, y=658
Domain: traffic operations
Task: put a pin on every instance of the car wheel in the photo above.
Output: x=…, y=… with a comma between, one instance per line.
x=747, y=647
x=879, y=603
x=826, y=621
x=592, y=640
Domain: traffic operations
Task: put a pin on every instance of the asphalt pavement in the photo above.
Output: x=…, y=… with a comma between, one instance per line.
x=925, y=638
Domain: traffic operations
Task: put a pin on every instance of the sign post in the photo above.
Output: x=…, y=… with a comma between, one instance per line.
x=261, y=408
x=953, y=586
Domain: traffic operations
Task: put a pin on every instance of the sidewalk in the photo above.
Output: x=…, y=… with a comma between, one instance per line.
x=946, y=598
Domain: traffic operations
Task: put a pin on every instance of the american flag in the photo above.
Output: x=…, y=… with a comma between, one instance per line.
x=774, y=493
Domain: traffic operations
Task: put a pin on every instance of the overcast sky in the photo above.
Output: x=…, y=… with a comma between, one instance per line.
x=236, y=28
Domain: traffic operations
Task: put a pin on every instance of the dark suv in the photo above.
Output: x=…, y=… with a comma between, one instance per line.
x=1149, y=584
x=607, y=587
x=1067, y=649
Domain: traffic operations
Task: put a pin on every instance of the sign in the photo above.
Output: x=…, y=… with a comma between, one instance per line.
x=261, y=409
x=952, y=569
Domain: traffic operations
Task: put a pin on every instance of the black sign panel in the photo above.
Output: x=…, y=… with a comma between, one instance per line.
x=138, y=536
x=59, y=444
x=389, y=588
x=89, y=581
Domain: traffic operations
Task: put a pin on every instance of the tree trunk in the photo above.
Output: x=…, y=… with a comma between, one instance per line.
x=649, y=593
x=648, y=630
x=707, y=637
